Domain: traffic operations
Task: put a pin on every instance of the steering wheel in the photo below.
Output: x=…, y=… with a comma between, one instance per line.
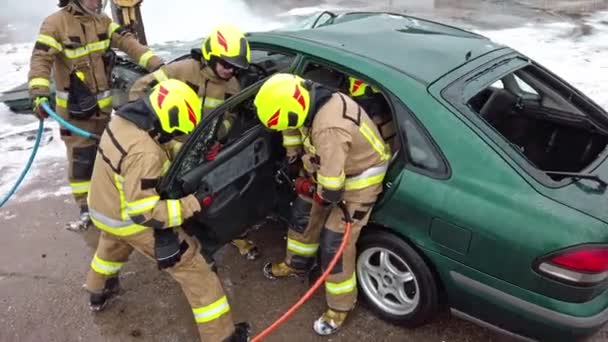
x=259, y=70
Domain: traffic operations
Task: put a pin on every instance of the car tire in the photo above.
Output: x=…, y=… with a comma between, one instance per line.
x=401, y=288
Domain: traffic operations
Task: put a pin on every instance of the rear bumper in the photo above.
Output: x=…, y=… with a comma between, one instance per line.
x=541, y=319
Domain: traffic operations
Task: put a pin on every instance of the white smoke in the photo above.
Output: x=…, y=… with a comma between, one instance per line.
x=191, y=19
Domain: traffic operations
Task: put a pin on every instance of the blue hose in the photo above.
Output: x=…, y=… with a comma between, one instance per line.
x=47, y=108
x=27, y=167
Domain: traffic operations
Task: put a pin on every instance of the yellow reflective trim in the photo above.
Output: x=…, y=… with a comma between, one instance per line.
x=292, y=140
x=376, y=143
x=126, y=230
x=166, y=166
x=160, y=75
x=226, y=124
x=346, y=286
x=50, y=41
x=112, y=28
x=143, y=60
x=211, y=102
x=142, y=205
x=300, y=248
x=212, y=311
x=123, y=203
x=331, y=183
x=60, y=102
x=104, y=267
x=174, y=208
x=362, y=183
x=87, y=49
x=105, y=102
x=80, y=187
x=39, y=82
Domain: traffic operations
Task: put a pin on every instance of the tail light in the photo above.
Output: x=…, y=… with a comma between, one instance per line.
x=581, y=265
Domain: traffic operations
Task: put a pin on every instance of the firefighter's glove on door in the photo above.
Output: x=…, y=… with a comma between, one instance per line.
x=38, y=110
x=167, y=249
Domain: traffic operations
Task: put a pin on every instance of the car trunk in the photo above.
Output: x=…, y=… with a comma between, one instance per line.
x=552, y=140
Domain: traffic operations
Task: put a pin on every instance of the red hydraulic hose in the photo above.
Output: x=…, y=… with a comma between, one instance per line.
x=316, y=285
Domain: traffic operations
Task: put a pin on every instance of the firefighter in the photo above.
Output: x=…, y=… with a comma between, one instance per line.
x=210, y=71
x=125, y=205
x=349, y=163
x=375, y=105
x=75, y=45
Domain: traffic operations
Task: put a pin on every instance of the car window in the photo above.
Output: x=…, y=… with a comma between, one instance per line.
x=550, y=125
x=265, y=62
x=421, y=153
x=224, y=129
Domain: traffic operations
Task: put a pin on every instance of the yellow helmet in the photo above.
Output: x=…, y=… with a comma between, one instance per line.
x=228, y=44
x=357, y=88
x=283, y=102
x=177, y=106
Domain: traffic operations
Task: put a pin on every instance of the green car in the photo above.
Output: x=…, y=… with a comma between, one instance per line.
x=495, y=202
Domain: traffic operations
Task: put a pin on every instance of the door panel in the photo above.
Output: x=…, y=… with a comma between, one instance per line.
x=242, y=178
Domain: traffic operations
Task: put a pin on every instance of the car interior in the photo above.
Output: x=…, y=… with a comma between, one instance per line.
x=555, y=128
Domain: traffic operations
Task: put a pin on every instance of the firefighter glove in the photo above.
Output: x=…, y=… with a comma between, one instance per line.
x=38, y=110
x=213, y=151
x=320, y=200
x=304, y=186
x=167, y=249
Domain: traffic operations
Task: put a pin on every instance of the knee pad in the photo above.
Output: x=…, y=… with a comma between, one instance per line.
x=330, y=243
x=299, y=215
x=83, y=159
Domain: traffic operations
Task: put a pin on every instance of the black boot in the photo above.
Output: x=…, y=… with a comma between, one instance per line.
x=241, y=333
x=98, y=301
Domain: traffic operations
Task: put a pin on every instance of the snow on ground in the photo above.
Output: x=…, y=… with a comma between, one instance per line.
x=14, y=65
x=580, y=56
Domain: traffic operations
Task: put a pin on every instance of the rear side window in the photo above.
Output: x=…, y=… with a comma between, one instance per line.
x=547, y=125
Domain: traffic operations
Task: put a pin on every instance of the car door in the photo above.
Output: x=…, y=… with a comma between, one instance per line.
x=245, y=182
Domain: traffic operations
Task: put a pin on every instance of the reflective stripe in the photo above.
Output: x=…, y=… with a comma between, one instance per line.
x=212, y=311
x=142, y=205
x=118, y=180
x=112, y=28
x=113, y=226
x=87, y=49
x=50, y=41
x=166, y=166
x=174, y=207
x=211, y=102
x=104, y=99
x=39, y=82
x=332, y=183
x=143, y=60
x=226, y=124
x=160, y=75
x=372, y=176
x=346, y=286
x=80, y=187
x=107, y=268
x=376, y=143
x=300, y=248
x=292, y=140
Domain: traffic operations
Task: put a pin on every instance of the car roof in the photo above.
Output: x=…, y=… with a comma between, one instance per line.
x=423, y=49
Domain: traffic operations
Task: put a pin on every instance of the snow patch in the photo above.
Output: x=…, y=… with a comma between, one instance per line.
x=576, y=53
